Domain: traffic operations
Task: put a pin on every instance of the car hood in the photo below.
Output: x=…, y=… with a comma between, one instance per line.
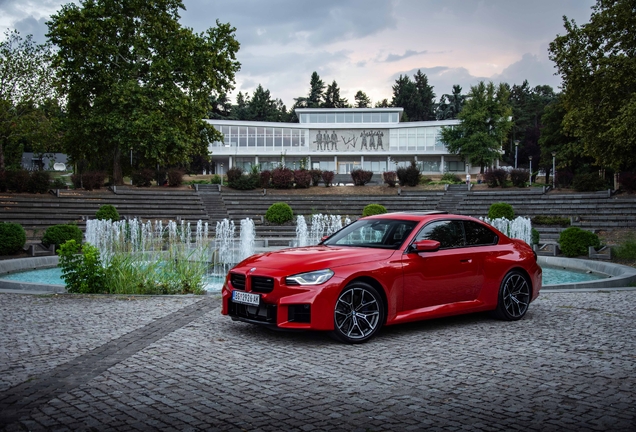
x=310, y=258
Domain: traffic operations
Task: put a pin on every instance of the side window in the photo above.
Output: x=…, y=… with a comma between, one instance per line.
x=477, y=234
x=448, y=233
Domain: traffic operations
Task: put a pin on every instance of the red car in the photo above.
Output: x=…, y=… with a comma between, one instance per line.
x=383, y=270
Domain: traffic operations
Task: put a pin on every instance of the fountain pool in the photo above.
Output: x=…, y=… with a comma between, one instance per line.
x=552, y=276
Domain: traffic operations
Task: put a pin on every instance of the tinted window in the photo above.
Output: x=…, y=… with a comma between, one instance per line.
x=384, y=233
x=477, y=234
x=448, y=233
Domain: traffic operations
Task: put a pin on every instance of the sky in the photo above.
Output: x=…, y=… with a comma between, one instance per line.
x=367, y=44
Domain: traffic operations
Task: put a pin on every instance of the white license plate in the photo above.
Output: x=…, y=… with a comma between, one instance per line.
x=246, y=298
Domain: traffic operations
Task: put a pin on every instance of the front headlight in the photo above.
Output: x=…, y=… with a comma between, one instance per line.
x=311, y=278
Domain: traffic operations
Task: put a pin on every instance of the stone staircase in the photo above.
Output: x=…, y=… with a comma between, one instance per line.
x=453, y=198
x=212, y=200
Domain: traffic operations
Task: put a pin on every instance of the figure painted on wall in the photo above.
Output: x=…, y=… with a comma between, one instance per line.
x=372, y=140
x=318, y=141
x=334, y=141
x=380, y=135
x=363, y=145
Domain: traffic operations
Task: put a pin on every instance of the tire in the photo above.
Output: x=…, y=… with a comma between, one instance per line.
x=358, y=313
x=514, y=297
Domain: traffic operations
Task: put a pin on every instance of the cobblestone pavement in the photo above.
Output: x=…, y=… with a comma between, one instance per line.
x=174, y=363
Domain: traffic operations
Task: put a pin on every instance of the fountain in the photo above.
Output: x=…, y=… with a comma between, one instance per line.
x=302, y=236
x=519, y=228
x=324, y=225
x=246, y=247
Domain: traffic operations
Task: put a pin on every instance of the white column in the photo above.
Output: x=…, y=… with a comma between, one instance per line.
x=335, y=161
x=361, y=161
x=309, y=162
x=441, y=165
x=229, y=165
x=256, y=160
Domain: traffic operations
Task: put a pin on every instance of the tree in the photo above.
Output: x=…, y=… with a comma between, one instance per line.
x=416, y=97
x=25, y=90
x=316, y=96
x=221, y=107
x=450, y=104
x=384, y=103
x=133, y=77
x=362, y=100
x=484, y=124
x=528, y=105
x=425, y=97
x=596, y=64
x=332, y=97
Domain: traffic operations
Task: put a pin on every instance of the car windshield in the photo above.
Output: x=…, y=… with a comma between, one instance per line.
x=380, y=233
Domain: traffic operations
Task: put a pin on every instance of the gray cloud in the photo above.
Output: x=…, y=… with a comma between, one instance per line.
x=35, y=27
x=408, y=53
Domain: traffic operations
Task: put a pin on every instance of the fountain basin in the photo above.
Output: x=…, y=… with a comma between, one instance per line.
x=618, y=275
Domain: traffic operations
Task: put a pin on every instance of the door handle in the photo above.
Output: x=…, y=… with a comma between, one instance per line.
x=468, y=261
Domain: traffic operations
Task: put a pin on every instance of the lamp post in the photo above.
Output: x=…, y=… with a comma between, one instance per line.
x=131, y=166
x=553, y=170
x=516, y=151
x=530, y=159
x=221, y=173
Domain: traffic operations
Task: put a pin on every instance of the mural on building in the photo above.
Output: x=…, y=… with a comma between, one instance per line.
x=349, y=140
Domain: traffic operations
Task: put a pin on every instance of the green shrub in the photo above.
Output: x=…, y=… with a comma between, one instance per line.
x=215, y=179
x=93, y=180
x=574, y=241
x=82, y=272
x=279, y=213
x=12, y=238
x=265, y=178
x=233, y=174
x=501, y=210
x=588, y=183
x=451, y=178
x=626, y=250
x=373, y=209
x=60, y=234
x=107, y=212
x=58, y=183
x=39, y=182
x=534, y=236
x=425, y=180
x=316, y=176
x=550, y=220
x=142, y=177
x=409, y=176
x=244, y=182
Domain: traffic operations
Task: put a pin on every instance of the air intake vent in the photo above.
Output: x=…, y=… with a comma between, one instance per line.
x=262, y=284
x=238, y=281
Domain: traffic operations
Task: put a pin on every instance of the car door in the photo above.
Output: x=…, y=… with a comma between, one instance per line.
x=449, y=275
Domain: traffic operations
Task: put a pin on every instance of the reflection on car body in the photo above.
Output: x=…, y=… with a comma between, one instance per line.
x=385, y=270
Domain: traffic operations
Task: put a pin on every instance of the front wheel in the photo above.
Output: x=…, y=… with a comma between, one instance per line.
x=514, y=297
x=358, y=314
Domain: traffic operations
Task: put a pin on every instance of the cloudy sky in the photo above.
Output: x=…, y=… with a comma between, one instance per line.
x=366, y=44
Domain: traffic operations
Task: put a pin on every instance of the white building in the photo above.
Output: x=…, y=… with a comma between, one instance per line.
x=336, y=139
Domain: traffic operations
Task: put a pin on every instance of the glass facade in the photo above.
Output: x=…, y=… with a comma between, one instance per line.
x=262, y=137
x=349, y=117
x=416, y=139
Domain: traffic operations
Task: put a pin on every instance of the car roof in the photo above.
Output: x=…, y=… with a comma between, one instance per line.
x=418, y=215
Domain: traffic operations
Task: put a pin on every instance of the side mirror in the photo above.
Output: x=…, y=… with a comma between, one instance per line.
x=425, y=246
x=324, y=238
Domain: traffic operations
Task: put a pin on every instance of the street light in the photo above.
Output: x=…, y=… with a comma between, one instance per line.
x=530, y=159
x=516, y=149
x=553, y=170
x=221, y=173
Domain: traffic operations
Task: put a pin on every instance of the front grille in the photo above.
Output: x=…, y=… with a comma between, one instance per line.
x=262, y=284
x=265, y=313
x=238, y=281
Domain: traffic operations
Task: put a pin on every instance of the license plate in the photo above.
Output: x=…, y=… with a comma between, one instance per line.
x=246, y=298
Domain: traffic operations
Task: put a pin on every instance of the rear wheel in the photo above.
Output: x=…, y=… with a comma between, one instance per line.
x=358, y=314
x=514, y=297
